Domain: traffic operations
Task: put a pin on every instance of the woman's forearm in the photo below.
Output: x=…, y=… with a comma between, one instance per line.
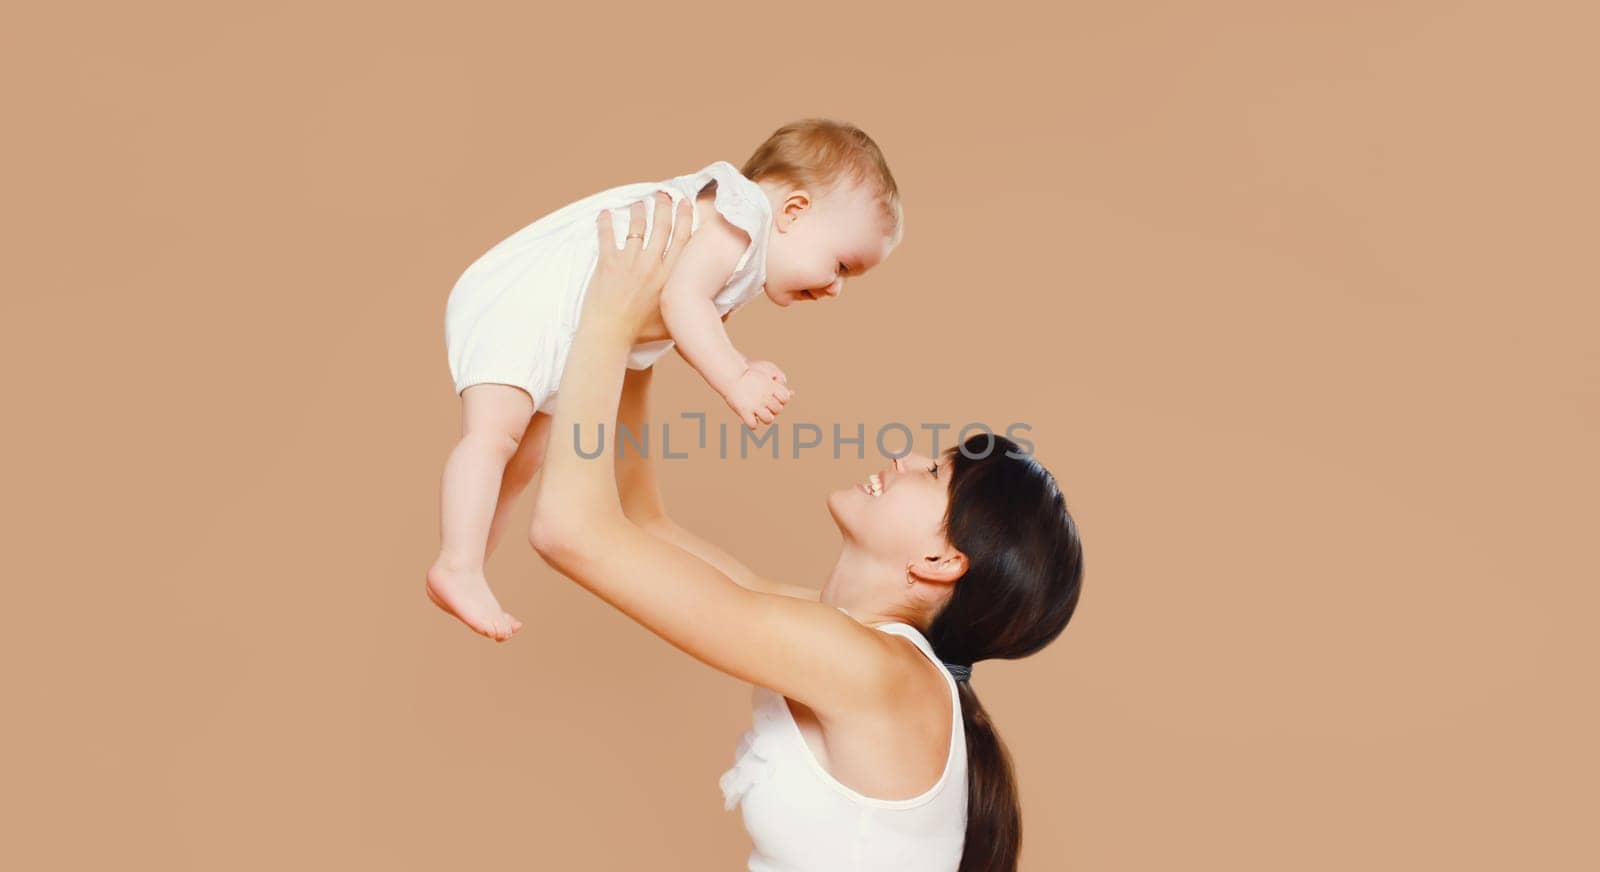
x=582, y=490
x=665, y=529
x=577, y=499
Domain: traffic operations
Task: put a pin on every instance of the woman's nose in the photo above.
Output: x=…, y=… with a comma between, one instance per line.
x=912, y=461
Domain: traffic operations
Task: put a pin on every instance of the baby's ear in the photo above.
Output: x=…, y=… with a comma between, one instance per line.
x=795, y=203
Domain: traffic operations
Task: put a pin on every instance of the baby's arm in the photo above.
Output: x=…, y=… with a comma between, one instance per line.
x=686, y=301
x=697, y=329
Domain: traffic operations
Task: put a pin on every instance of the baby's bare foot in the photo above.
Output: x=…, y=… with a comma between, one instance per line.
x=466, y=595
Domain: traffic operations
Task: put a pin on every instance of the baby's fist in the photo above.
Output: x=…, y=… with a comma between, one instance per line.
x=769, y=368
x=757, y=397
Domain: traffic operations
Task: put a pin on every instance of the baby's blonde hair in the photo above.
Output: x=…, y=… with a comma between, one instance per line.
x=818, y=153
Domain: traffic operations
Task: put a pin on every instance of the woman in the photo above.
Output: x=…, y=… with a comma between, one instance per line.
x=870, y=749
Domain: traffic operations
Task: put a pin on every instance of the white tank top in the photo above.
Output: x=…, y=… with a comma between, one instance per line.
x=801, y=819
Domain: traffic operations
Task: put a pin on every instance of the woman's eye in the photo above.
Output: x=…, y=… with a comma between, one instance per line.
x=934, y=469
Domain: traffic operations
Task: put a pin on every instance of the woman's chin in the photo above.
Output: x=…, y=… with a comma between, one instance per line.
x=841, y=505
x=852, y=512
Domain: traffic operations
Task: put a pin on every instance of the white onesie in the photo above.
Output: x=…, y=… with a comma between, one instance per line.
x=512, y=315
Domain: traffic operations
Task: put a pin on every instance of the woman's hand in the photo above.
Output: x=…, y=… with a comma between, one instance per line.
x=623, y=294
x=626, y=287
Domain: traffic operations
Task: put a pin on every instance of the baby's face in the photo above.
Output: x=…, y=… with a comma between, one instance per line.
x=819, y=241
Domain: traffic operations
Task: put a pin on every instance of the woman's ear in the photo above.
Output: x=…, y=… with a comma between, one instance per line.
x=794, y=205
x=943, y=568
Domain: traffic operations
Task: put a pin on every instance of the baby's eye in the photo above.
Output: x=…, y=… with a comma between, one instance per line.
x=843, y=269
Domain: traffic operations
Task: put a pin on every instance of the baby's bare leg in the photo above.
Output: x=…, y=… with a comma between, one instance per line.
x=494, y=418
x=519, y=472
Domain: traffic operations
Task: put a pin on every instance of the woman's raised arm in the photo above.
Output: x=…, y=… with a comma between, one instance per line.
x=805, y=650
x=641, y=496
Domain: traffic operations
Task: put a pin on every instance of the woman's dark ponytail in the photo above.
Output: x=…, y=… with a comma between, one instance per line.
x=1024, y=574
x=994, y=815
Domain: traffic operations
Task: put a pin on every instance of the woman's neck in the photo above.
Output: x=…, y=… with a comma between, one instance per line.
x=871, y=591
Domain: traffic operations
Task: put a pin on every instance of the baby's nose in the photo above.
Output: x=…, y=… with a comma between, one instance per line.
x=834, y=289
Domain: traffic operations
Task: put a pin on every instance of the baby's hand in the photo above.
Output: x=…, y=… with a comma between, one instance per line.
x=759, y=394
x=769, y=368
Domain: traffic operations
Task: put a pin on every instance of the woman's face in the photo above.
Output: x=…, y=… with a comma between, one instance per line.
x=898, y=512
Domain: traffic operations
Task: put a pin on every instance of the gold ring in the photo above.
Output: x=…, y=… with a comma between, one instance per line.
x=635, y=235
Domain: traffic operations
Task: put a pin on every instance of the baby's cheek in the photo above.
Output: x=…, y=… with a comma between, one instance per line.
x=793, y=272
x=778, y=269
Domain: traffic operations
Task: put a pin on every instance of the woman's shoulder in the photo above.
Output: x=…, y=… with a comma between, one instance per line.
x=920, y=697
x=913, y=668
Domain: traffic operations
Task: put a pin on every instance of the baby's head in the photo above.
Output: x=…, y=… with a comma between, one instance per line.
x=835, y=207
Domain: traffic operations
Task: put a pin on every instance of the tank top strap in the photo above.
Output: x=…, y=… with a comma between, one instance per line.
x=899, y=628
x=957, y=753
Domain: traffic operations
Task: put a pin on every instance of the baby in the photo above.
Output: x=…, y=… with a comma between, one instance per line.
x=813, y=205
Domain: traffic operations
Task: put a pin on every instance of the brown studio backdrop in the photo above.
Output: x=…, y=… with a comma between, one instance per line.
x=1296, y=299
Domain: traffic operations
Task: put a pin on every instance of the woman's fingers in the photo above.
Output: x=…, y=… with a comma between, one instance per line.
x=608, y=237
x=636, y=224
x=663, y=218
x=682, y=229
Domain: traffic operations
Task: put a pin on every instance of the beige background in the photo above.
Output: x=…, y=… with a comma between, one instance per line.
x=1298, y=298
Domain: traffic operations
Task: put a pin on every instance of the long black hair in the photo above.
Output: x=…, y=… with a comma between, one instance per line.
x=1024, y=573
